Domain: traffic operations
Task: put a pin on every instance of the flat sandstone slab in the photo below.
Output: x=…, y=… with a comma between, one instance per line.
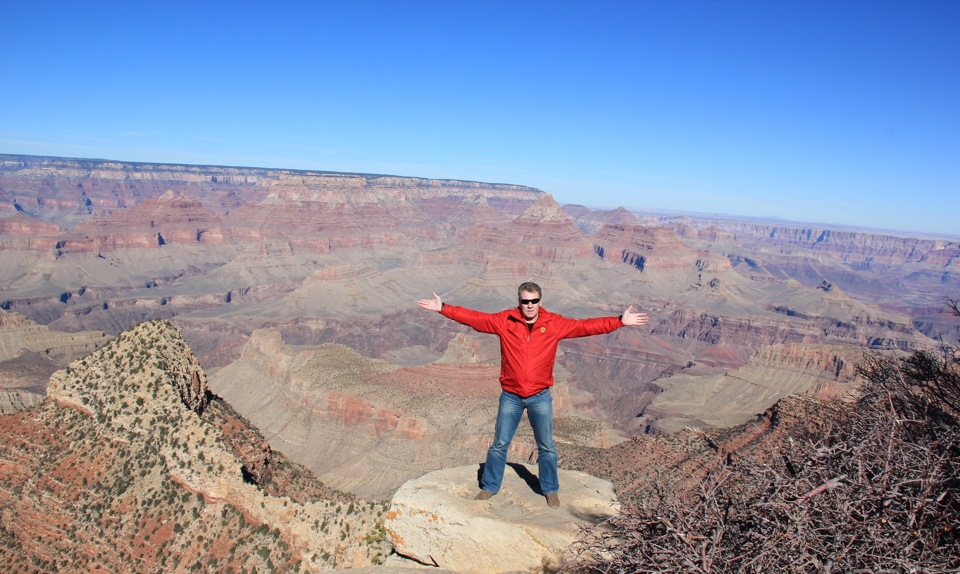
x=434, y=519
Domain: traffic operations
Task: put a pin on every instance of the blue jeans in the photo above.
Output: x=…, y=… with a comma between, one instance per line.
x=540, y=412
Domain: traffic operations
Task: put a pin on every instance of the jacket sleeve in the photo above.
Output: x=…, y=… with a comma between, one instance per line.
x=585, y=327
x=482, y=322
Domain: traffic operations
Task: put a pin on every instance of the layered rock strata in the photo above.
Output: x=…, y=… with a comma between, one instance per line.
x=327, y=257
x=704, y=397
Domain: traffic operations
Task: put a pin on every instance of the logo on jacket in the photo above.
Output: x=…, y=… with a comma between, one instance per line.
x=543, y=329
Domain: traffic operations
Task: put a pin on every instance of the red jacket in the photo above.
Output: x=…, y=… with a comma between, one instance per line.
x=527, y=357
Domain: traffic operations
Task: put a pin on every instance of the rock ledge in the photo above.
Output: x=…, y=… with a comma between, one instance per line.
x=434, y=520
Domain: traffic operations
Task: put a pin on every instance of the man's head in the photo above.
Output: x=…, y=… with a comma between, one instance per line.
x=529, y=295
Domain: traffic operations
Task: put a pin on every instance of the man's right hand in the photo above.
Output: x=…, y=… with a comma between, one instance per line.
x=434, y=304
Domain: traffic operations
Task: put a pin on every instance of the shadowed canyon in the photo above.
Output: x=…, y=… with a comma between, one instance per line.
x=295, y=295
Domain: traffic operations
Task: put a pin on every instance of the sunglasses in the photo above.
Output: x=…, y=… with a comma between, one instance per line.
x=529, y=301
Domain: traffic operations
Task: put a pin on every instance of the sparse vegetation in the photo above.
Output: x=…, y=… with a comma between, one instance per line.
x=872, y=487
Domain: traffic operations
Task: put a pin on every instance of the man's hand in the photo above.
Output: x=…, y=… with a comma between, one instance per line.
x=631, y=319
x=434, y=304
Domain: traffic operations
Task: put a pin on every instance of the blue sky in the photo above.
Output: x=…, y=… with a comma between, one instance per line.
x=842, y=112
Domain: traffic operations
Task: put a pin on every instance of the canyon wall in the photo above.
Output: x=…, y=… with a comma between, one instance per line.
x=324, y=257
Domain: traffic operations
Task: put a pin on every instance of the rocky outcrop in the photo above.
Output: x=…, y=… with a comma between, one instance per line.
x=124, y=432
x=16, y=400
x=541, y=235
x=434, y=520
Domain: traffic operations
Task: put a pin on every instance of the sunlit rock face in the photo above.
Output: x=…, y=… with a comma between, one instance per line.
x=434, y=520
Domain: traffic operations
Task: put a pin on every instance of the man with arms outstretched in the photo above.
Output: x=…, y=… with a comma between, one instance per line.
x=529, y=336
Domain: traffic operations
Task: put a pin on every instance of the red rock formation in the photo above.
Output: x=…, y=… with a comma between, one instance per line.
x=541, y=234
x=152, y=224
x=22, y=225
x=20, y=232
x=649, y=249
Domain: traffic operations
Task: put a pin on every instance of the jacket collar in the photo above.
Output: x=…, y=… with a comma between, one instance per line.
x=516, y=315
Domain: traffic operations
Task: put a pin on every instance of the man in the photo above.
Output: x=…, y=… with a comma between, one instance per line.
x=529, y=336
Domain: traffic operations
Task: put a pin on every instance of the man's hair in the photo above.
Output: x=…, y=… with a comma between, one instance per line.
x=529, y=287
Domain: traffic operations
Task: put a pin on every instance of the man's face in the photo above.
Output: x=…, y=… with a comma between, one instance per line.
x=528, y=308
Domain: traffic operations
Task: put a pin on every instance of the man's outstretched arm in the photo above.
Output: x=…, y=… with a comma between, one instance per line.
x=600, y=325
x=629, y=318
x=482, y=322
x=435, y=304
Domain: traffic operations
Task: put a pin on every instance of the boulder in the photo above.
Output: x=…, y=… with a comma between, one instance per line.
x=434, y=519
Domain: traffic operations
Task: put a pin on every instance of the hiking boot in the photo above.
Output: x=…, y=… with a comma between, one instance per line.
x=553, y=500
x=484, y=495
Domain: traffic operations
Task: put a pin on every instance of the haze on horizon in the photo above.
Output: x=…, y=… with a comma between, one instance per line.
x=837, y=113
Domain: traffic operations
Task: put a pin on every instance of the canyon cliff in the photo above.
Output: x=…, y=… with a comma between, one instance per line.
x=236, y=257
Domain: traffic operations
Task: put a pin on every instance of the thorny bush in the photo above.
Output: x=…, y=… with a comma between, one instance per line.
x=876, y=488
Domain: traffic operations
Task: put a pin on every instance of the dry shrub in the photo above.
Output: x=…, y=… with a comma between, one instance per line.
x=876, y=489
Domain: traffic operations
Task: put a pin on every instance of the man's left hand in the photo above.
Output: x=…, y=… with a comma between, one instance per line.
x=631, y=319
